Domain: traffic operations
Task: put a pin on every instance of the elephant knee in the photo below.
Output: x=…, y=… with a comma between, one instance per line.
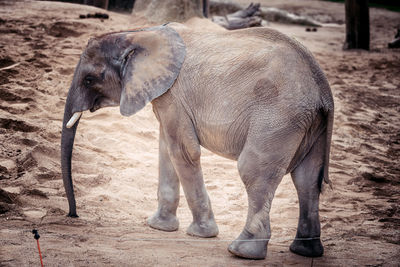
x=194, y=153
x=189, y=154
x=248, y=170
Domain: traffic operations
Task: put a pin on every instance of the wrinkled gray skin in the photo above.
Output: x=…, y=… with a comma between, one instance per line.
x=254, y=95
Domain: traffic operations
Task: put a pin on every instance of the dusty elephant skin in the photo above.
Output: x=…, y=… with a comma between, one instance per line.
x=254, y=95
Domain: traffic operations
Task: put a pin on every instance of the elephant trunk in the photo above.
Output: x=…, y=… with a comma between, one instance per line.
x=67, y=143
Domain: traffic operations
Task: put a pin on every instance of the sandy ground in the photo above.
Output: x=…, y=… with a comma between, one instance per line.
x=115, y=158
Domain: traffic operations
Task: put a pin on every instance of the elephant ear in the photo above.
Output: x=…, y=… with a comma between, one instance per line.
x=150, y=65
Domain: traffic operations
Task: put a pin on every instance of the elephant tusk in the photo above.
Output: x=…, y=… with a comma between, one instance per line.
x=73, y=119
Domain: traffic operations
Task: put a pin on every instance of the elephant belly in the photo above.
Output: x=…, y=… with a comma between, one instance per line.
x=225, y=138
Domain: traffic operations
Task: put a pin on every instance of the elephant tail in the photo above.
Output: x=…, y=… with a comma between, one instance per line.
x=329, y=129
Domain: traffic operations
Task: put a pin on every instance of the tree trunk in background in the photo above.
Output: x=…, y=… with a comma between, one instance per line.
x=121, y=5
x=357, y=24
x=162, y=11
x=206, y=8
x=97, y=3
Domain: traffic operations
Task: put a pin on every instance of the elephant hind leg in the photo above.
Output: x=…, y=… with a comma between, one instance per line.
x=261, y=175
x=307, y=178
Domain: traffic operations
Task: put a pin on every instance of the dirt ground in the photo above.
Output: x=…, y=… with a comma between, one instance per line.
x=115, y=158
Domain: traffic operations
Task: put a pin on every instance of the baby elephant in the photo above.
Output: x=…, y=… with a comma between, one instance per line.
x=253, y=95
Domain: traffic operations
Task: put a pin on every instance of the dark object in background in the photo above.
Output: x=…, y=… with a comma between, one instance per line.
x=240, y=19
x=396, y=42
x=95, y=15
x=311, y=29
x=114, y=5
x=97, y=3
x=121, y=5
x=357, y=24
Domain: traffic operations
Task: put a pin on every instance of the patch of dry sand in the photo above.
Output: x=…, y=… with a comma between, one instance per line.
x=115, y=158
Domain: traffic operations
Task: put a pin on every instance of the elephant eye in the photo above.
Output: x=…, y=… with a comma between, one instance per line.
x=89, y=80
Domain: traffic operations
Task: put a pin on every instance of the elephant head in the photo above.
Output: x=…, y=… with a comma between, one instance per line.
x=128, y=69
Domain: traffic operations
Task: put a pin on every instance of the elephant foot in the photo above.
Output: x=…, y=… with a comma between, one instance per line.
x=165, y=223
x=246, y=246
x=307, y=248
x=203, y=229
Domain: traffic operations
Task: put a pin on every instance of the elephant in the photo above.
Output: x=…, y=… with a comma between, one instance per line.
x=253, y=95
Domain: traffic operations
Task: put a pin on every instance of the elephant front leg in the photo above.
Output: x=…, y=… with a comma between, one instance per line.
x=168, y=192
x=186, y=161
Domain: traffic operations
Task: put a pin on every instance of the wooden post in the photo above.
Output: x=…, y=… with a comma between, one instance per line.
x=206, y=8
x=357, y=24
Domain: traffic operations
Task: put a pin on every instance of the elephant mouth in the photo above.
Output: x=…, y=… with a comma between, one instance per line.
x=75, y=117
x=100, y=101
x=97, y=103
